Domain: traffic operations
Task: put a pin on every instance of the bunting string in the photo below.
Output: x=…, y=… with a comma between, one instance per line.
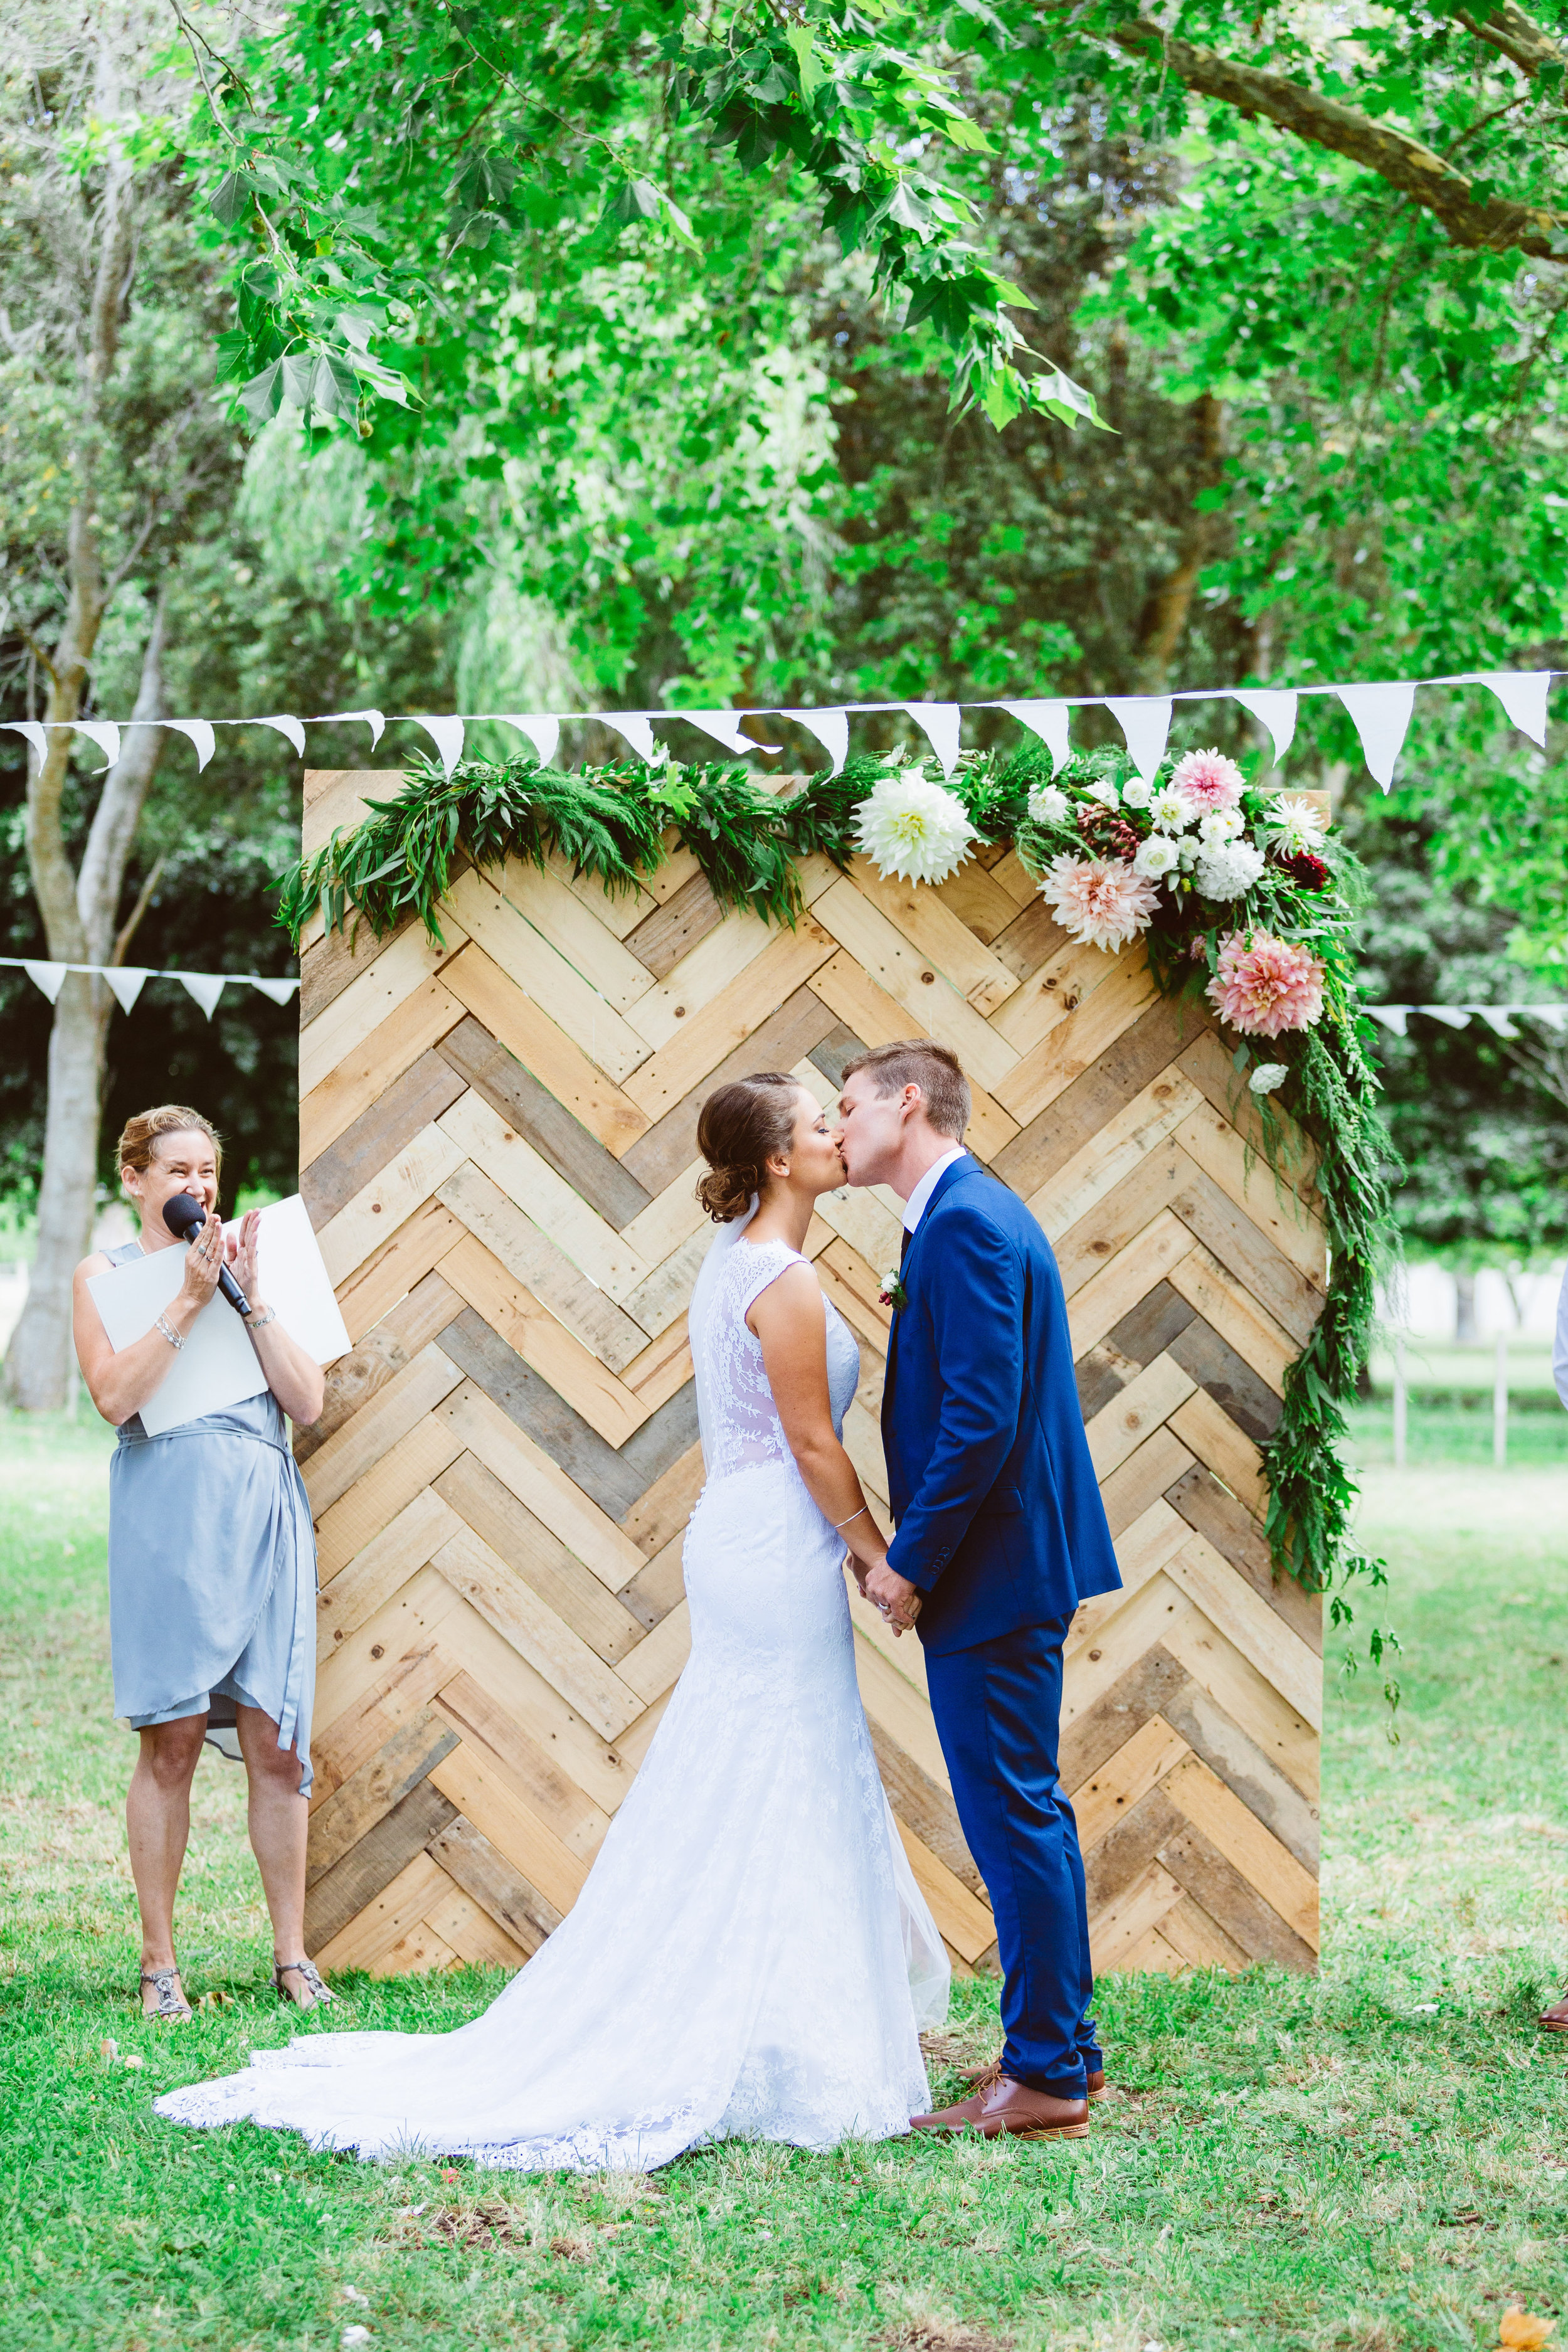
x=1500, y=1019
x=1381, y=711
x=126, y=981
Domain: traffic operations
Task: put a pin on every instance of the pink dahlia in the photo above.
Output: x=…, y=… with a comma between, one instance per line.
x=1098, y=901
x=1265, y=985
x=1209, y=779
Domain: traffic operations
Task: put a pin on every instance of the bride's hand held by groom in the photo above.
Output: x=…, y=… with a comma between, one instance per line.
x=894, y=1595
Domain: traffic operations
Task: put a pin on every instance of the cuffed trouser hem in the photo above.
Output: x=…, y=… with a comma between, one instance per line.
x=1061, y=2087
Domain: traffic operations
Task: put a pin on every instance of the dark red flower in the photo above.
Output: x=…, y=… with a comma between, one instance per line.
x=1310, y=872
x=1106, y=832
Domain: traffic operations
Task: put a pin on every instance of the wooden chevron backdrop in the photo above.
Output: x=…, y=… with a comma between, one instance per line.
x=498, y=1138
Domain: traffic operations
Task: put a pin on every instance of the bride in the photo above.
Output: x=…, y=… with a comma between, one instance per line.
x=750, y=1954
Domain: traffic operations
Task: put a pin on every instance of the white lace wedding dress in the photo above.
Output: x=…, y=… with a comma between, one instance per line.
x=750, y=1954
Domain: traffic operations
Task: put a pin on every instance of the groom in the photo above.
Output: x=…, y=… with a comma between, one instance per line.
x=1001, y=1533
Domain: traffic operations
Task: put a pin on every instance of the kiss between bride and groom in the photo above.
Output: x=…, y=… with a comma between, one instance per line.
x=750, y=1954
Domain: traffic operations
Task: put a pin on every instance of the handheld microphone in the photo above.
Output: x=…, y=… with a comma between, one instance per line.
x=184, y=1217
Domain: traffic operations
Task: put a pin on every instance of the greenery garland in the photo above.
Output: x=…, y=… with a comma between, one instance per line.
x=617, y=823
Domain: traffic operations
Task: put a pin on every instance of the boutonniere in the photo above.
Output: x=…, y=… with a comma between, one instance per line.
x=892, y=1293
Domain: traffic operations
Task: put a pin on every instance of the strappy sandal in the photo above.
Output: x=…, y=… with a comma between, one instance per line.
x=306, y=1968
x=170, y=2001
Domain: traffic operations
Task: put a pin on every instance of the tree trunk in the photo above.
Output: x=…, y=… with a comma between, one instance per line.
x=1170, y=601
x=1465, y=1310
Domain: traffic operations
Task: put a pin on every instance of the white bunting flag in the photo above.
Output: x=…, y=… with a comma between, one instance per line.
x=1554, y=1015
x=1382, y=715
x=831, y=728
x=197, y=732
x=1145, y=721
x=49, y=977
x=1392, y=1017
x=279, y=990
x=1495, y=1017
x=633, y=726
x=33, y=728
x=1451, y=1016
x=1274, y=708
x=205, y=987
x=1049, y=720
x=125, y=982
x=1522, y=694
x=447, y=734
x=282, y=723
x=105, y=734
x=938, y=722
x=543, y=731
x=724, y=728
x=373, y=719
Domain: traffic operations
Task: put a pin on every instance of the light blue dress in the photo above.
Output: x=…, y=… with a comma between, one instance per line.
x=212, y=1568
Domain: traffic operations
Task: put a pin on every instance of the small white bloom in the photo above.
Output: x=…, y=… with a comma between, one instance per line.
x=1048, y=805
x=1188, y=849
x=353, y=2295
x=1267, y=1076
x=1226, y=873
x=1135, y=793
x=908, y=826
x=1218, y=826
x=352, y=2336
x=1296, y=825
x=1159, y=855
x=1103, y=791
x=1170, y=809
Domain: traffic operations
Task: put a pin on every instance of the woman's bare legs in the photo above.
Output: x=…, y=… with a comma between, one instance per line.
x=279, y=1819
x=158, y=1823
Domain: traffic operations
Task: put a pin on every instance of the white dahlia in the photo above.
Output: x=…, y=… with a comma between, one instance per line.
x=1170, y=808
x=1098, y=901
x=1295, y=827
x=1048, y=805
x=909, y=825
x=1228, y=872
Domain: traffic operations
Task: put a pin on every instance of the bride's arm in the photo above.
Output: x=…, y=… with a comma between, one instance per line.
x=791, y=1322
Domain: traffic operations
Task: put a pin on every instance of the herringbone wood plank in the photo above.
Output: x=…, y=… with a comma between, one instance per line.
x=501, y=1139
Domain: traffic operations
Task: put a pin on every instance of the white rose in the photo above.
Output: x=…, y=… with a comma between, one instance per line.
x=1157, y=856
x=1103, y=791
x=1048, y=805
x=1135, y=793
x=1267, y=1076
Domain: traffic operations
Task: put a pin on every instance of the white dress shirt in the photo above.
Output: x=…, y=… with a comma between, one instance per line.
x=916, y=1205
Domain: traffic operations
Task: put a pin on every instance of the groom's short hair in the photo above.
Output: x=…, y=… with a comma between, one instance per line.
x=920, y=1062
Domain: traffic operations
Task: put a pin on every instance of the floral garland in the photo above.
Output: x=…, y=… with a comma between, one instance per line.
x=1244, y=899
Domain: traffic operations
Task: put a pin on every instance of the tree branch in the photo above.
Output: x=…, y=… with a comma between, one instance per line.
x=127, y=932
x=1490, y=224
x=1517, y=36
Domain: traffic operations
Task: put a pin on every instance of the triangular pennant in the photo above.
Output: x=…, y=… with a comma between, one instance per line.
x=104, y=733
x=1392, y=1017
x=447, y=734
x=205, y=987
x=1145, y=721
x=1449, y=1014
x=124, y=982
x=1049, y=721
x=1522, y=694
x=196, y=732
x=724, y=728
x=282, y=723
x=279, y=990
x=373, y=719
x=49, y=977
x=543, y=731
x=831, y=728
x=940, y=723
x=633, y=727
x=1554, y=1015
x=1382, y=716
x=33, y=728
x=1495, y=1017
x=1274, y=708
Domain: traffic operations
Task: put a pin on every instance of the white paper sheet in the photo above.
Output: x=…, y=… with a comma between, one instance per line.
x=217, y=1365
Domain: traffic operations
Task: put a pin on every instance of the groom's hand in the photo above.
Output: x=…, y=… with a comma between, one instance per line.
x=894, y=1595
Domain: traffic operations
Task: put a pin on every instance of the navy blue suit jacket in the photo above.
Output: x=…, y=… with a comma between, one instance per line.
x=999, y=1517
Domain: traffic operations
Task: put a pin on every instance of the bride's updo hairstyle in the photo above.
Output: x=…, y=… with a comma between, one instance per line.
x=741, y=1127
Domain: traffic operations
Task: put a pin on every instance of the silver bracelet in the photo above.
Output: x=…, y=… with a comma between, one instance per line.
x=261, y=1321
x=851, y=1519
x=166, y=1328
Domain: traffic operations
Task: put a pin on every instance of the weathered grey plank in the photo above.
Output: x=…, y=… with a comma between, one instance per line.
x=486, y=1876
x=382, y=1781
x=840, y=1046
x=373, y=1864
x=1226, y=1896
x=1216, y=1366
x=1080, y=1111
x=785, y=1038
x=413, y=1101
x=516, y=1094
x=1228, y=1524
x=661, y=938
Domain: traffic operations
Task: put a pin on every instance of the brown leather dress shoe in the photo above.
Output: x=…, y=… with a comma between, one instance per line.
x=988, y=2074
x=1006, y=2109
x=1555, y=2019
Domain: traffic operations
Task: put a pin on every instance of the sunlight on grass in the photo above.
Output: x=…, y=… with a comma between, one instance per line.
x=1374, y=2159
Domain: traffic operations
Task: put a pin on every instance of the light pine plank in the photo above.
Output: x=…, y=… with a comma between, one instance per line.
x=663, y=1368
x=1212, y=1071
x=577, y=933
x=705, y=1039
x=1110, y=1794
x=1284, y=1737
x=483, y=1795
x=1121, y=1146
x=508, y=1159
x=588, y=1533
x=373, y=1501
x=391, y=1196
x=856, y=1000
x=660, y=1659
x=896, y=1706
x=620, y=911
x=487, y=1506
x=660, y=1514
x=404, y=1260
x=1099, y=1307
x=586, y=1777
x=524, y=953
x=398, y=973
x=1210, y=1140
x=1069, y=1049
x=1208, y=1430
x=573, y=1370
x=472, y=1933
x=536, y=1632
x=1245, y=1844
x=1200, y=1941
x=368, y=1795
x=1055, y=989
x=669, y=1219
x=1121, y=1426
x=526, y=1029
x=378, y=1426
x=855, y=1289
x=658, y=1304
x=386, y=1564
x=1257, y=1631
x=1115, y=1932
x=1220, y=1299
x=928, y=926
x=353, y=1083
x=385, y=1921
x=928, y=1000
x=419, y=1952
x=1137, y=1626
x=335, y=799
x=977, y=900
x=377, y=1655
x=1155, y=1536
x=902, y=1651
x=708, y=967
x=533, y=1260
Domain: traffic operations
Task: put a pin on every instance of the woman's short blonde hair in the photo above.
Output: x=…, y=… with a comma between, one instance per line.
x=140, y=1137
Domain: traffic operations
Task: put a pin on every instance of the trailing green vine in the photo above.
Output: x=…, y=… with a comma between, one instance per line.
x=1244, y=903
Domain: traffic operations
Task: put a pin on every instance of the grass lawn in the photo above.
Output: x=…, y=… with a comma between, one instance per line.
x=1373, y=2159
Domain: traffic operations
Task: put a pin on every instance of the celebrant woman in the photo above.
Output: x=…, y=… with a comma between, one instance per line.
x=212, y=1561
